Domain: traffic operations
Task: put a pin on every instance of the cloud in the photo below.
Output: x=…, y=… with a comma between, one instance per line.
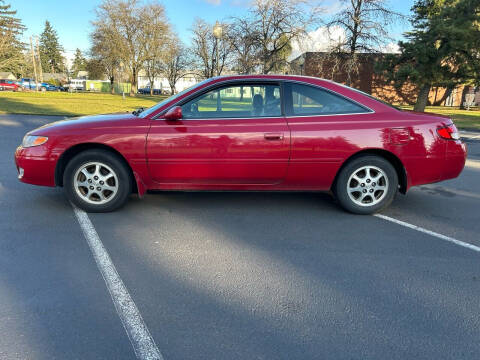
x=214, y=2
x=333, y=7
x=322, y=39
x=241, y=3
x=391, y=47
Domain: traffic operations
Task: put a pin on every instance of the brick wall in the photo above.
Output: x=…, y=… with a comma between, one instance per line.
x=326, y=66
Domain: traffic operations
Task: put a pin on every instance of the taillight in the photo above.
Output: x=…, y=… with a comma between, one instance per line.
x=448, y=132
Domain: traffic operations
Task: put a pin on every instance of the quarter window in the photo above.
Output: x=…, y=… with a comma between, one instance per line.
x=309, y=100
x=236, y=101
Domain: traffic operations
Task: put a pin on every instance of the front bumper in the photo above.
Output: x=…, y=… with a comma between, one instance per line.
x=34, y=166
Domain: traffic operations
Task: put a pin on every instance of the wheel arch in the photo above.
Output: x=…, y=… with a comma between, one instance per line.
x=71, y=152
x=387, y=155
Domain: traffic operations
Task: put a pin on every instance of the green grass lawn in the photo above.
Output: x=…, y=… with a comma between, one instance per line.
x=464, y=119
x=73, y=104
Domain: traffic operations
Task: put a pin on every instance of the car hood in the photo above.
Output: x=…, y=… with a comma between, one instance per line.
x=84, y=122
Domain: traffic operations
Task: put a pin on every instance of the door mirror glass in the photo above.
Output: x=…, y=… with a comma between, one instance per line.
x=174, y=114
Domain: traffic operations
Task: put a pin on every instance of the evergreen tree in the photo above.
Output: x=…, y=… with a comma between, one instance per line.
x=11, y=48
x=51, y=50
x=443, y=49
x=79, y=63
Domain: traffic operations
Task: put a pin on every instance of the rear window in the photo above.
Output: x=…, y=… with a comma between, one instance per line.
x=371, y=96
x=310, y=100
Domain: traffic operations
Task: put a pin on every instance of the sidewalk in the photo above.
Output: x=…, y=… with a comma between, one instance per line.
x=470, y=135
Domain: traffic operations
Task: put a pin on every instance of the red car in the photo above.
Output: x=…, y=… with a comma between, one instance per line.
x=9, y=85
x=247, y=133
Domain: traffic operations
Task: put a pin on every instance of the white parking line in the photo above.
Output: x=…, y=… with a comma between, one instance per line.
x=472, y=163
x=137, y=331
x=429, y=232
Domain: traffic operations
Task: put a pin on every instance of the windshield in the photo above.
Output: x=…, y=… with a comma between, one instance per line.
x=155, y=107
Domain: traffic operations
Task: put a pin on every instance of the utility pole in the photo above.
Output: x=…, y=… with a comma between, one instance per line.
x=39, y=61
x=34, y=65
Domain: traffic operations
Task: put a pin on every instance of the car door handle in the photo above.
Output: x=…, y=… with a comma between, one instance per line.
x=273, y=136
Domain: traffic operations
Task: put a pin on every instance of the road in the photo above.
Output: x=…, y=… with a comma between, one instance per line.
x=241, y=275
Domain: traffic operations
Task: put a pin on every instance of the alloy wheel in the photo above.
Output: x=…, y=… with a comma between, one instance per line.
x=95, y=183
x=367, y=186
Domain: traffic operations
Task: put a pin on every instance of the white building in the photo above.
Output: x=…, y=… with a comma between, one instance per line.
x=162, y=82
x=7, y=75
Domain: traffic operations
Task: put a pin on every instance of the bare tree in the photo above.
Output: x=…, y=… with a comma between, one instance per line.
x=107, y=54
x=156, y=35
x=124, y=24
x=175, y=62
x=278, y=23
x=211, y=52
x=243, y=38
x=366, y=24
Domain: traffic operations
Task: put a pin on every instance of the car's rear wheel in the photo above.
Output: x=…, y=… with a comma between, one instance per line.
x=97, y=181
x=366, y=184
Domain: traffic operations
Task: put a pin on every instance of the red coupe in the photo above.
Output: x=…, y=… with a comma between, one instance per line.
x=256, y=132
x=9, y=85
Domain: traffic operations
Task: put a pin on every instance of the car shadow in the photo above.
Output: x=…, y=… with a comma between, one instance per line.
x=284, y=275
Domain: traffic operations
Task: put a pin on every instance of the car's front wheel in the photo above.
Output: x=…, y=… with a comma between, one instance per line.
x=97, y=181
x=366, y=184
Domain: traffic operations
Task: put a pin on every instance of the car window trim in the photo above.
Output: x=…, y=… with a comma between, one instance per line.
x=212, y=87
x=370, y=111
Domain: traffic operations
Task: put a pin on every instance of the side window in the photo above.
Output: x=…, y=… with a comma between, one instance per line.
x=309, y=100
x=235, y=101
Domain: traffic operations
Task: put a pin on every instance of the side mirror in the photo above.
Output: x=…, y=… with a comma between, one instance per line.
x=174, y=114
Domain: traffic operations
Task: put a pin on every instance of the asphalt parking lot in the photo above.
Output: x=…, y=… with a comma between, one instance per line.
x=241, y=275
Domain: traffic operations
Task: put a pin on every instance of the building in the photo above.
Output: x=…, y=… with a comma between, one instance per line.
x=7, y=75
x=327, y=66
x=82, y=74
x=162, y=84
x=58, y=77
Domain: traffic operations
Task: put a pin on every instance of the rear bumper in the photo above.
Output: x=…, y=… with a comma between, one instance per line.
x=455, y=158
x=38, y=169
x=448, y=164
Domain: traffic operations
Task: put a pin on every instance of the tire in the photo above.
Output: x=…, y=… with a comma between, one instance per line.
x=103, y=171
x=370, y=193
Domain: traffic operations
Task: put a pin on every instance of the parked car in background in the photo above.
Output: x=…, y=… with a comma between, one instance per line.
x=49, y=87
x=9, y=85
x=146, y=91
x=30, y=84
x=256, y=132
x=75, y=84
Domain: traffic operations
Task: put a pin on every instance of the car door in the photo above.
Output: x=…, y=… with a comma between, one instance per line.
x=230, y=135
x=322, y=123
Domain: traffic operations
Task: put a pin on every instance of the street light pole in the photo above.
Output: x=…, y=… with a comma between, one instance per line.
x=217, y=33
x=216, y=56
x=301, y=62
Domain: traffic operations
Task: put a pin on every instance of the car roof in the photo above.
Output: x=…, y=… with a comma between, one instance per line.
x=266, y=77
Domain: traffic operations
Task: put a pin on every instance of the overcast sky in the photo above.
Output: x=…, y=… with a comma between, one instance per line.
x=71, y=18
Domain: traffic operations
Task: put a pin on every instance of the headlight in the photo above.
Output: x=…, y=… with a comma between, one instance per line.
x=30, y=140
